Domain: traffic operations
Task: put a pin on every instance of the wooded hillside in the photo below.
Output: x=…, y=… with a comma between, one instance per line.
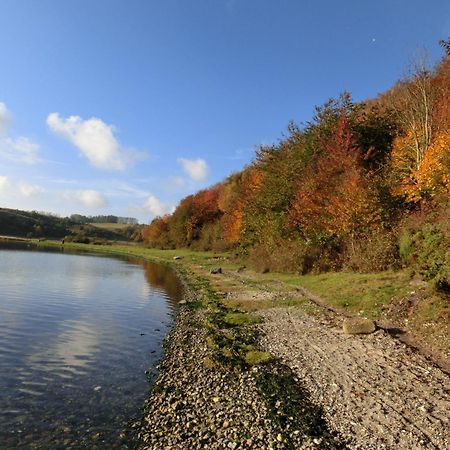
x=363, y=186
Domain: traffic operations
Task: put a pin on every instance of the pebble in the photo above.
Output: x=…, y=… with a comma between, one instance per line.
x=196, y=406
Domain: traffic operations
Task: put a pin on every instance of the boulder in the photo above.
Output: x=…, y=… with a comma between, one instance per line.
x=358, y=325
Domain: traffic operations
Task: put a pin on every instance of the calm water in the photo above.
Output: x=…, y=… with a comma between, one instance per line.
x=77, y=334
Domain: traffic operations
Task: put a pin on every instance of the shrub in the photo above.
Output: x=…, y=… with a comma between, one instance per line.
x=405, y=246
x=374, y=252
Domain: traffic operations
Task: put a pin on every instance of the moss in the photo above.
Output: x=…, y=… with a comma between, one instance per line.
x=238, y=318
x=255, y=357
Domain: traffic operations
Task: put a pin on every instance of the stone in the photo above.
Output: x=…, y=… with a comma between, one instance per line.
x=358, y=325
x=216, y=270
x=177, y=257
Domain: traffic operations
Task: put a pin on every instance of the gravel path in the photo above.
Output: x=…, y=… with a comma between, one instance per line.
x=376, y=392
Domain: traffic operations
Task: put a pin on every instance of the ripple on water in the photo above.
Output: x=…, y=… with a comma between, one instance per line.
x=77, y=333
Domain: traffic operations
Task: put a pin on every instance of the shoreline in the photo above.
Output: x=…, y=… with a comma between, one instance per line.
x=201, y=401
x=209, y=395
x=194, y=364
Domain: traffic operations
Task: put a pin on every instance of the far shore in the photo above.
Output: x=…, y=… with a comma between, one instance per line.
x=16, y=238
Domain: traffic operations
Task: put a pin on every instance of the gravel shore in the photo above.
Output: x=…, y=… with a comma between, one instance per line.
x=377, y=392
x=323, y=389
x=196, y=404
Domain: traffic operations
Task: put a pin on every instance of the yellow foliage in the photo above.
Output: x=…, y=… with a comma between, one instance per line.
x=433, y=175
x=425, y=177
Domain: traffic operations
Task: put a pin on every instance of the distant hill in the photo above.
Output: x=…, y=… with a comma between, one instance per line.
x=32, y=224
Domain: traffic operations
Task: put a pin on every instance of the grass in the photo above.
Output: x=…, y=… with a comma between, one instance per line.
x=251, y=305
x=356, y=293
x=255, y=357
x=237, y=318
x=111, y=226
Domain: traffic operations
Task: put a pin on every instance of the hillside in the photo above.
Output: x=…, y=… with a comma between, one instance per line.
x=33, y=224
x=362, y=186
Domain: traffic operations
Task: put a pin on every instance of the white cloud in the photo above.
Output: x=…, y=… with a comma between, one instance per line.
x=197, y=169
x=4, y=183
x=5, y=118
x=30, y=190
x=91, y=199
x=96, y=141
x=21, y=149
x=156, y=207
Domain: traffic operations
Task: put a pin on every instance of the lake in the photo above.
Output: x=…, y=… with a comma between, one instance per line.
x=80, y=335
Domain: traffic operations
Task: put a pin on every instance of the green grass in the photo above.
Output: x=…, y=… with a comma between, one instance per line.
x=252, y=305
x=254, y=357
x=352, y=292
x=110, y=226
x=236, y=318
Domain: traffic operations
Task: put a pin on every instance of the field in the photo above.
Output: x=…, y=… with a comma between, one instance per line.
x=111, y=226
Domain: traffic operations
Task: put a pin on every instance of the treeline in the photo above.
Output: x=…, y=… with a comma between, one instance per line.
x=79, y=218
x=14, y=222
x=33, y=224
x=362, y=186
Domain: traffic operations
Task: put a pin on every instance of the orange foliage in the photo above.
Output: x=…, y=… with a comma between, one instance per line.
x=428, y=178
x=157, y=227
x=204, y=210
x=335, y=196
x=441, y=84
x=234, y=199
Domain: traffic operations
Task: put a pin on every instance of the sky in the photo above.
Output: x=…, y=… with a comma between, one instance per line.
x=125, y=107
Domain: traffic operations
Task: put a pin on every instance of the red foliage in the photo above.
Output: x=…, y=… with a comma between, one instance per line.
x=334, y=196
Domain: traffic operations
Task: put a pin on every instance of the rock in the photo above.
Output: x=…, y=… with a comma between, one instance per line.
x=177, y=257
x=358, y=325
x=182, y=302
x=216, y=270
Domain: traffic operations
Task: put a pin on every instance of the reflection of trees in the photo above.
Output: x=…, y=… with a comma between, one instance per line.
x=162, y=277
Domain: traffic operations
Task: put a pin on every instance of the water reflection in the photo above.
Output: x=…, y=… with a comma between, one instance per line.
x=77, y=333
x=159, y=276
x=72, y=349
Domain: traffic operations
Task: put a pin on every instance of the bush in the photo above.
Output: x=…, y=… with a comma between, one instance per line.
x=424, y=244
x=405, y=246
x=373, y=253
x=297, y=257
x=433, y=256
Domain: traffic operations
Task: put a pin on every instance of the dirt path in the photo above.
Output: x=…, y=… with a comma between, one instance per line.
x=375, y=391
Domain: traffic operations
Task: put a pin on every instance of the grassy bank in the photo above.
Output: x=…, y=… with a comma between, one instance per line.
x=391, y=296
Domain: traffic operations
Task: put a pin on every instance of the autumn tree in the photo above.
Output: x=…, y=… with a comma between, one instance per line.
x=419, y=155
x=238, y=193
x=335, y=195
x=156, y=234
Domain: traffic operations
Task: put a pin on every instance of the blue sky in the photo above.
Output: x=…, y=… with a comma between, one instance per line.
x=125, y=107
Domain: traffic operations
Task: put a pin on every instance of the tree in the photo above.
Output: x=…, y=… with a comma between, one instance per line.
x=335, y=195
x=417, y=116
x=445, y=44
